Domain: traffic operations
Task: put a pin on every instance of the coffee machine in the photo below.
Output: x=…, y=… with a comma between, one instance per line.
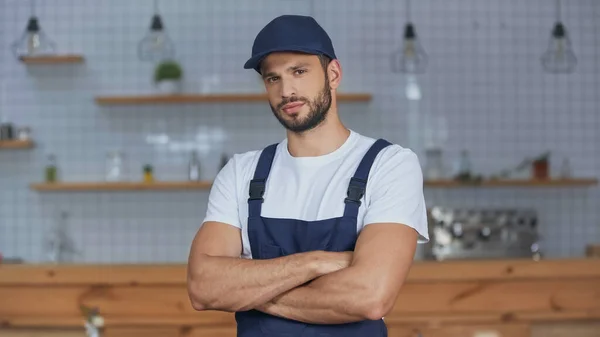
x=482, y=233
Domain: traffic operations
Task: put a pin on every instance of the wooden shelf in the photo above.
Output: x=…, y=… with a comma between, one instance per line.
x=205, y=185
x=122, y=186
x=574, y=182
x=16, y=144
x=52, y=59
x=208, y=98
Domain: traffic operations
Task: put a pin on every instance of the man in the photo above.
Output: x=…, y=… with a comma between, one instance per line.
x=290, y=242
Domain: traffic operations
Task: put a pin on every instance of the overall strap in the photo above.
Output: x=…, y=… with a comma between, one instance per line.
x=257, y=185
x=358, y=183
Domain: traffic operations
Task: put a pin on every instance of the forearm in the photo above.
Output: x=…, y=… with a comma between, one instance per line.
x=309, y=305
x=235, y=284
x=366, y=290
x=340, y=297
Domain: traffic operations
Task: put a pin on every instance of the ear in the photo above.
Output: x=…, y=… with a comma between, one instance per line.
x=334, y=70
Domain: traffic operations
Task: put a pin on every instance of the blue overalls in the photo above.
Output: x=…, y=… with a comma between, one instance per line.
x=271, y=238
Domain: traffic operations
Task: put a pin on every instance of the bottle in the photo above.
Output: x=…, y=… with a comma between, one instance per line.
x=463, y=166
x=464, y=163
x=114, y=166
x=59, y=246
x=565, y=169
x=51, y=169
x=434, y=167
x=194, y=168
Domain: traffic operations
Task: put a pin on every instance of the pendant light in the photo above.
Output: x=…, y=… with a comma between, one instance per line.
x=33, y=41
x=559, y=57
x=411, y=58
x=156, y=45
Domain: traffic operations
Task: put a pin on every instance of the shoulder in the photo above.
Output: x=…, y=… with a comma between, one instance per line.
x=395, y=156
x=393, y=159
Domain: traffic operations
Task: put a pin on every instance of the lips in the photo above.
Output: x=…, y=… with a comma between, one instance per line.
x=292, y=107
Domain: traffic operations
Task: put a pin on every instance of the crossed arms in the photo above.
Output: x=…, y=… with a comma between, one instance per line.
x=314, y=287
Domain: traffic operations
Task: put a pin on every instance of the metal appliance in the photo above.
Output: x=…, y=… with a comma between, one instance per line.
x=457, y=233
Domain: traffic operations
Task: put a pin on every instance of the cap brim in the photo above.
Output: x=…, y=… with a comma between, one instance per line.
x=255, y=61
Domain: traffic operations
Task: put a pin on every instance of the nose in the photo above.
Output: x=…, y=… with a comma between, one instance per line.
x=287, y=89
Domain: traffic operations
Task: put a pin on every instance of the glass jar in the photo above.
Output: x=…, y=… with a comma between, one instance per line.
x=434, y=167
x=114, y=166
x=24, y=133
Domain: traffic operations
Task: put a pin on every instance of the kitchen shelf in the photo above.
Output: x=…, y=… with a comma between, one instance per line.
x=16, y=144
x=121, y=186
x=52, y=59
x=573, y=182
x=207, y=98
x=205, y=185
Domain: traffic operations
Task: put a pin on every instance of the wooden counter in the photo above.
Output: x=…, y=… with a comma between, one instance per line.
x=439, y=299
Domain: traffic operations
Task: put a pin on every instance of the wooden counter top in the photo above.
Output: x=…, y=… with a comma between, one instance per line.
x=494, y=292
x=175, y=274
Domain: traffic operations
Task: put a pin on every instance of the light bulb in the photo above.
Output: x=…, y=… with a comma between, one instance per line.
x=559, y=57
x=411, y=58
x=33, y=41
x=156, y=45
x=413, y=91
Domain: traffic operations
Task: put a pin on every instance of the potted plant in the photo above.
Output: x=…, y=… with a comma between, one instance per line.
x=148, y=173
x=167, y=76
x=540, y=166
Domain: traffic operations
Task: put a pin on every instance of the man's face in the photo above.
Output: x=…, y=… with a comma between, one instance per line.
x=298, y=90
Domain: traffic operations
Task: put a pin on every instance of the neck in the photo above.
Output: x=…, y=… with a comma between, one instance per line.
x=325, y=138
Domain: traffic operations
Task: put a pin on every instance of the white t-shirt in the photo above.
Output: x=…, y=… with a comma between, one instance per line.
x=314, y=188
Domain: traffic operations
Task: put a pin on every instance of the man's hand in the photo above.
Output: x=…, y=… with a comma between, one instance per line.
x=366, y=290
x=218, y=279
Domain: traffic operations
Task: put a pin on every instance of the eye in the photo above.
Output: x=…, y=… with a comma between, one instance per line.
x=272, y=79
x=300, y=71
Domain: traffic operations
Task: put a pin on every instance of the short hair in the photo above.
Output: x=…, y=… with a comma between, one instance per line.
x=325, y=60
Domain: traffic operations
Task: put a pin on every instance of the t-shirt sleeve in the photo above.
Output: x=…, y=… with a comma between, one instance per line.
x=396, y=192
x=222, y=200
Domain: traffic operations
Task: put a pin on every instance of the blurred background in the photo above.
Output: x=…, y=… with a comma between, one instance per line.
x=116, y=115
x=469, y=93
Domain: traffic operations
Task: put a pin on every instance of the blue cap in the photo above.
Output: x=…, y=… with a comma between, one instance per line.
x=290, y=33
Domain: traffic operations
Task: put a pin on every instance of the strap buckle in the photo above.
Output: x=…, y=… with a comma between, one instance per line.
x=257, y=189
x=356, y=190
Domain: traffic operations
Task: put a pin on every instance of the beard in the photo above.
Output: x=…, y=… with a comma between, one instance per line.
x=318, y=109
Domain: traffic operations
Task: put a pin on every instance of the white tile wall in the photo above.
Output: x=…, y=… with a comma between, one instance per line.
x=484, y=83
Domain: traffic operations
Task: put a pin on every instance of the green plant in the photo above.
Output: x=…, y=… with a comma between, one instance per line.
x=168, y=70
x=542, y=157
